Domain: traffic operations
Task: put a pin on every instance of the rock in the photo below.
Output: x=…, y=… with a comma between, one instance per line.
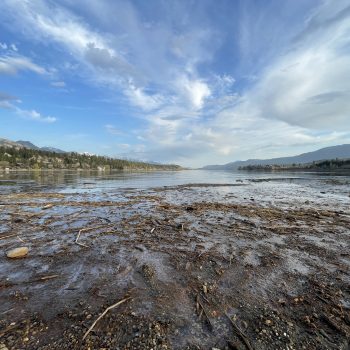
x=268, y=322
x=3, y=347
x=19, y=252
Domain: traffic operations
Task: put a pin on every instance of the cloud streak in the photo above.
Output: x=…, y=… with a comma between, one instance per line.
x=14, y=64
x=34, y=115
x=8, y=102
x=281, y=89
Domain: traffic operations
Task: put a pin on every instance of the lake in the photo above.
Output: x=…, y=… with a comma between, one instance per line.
x=79, y=180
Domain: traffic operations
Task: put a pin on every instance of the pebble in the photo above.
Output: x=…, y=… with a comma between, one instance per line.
x=19, y=252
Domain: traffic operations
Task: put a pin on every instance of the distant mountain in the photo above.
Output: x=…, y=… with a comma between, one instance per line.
x=27, y=144
x=52, y=149
x=10, y=144
x=340, y=152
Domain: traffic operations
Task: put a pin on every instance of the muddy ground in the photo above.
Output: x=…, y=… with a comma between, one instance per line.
x=204, y=266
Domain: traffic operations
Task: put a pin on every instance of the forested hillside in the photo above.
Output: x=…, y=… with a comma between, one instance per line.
x=25, y=158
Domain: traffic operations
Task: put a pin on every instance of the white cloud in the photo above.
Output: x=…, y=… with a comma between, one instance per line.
x=35, y=116
x=14, y=64
x=111, y=129
x=194, y=90
x=59, y=84
x=8, y=102
x=305, y=85
x=290, y=92
x=145, y=101
x=3, y=46
x=131, y=58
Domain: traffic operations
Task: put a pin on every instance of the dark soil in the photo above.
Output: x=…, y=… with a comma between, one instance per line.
x=201, y=273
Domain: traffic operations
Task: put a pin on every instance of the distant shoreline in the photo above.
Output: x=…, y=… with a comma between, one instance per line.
x=328, y=165
x=29, y=159
x=47, y=170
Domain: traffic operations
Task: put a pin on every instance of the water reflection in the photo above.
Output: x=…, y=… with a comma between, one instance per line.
x=89, y=179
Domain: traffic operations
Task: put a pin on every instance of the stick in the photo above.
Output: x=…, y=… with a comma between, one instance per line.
x=8, y=236
x=240, y=333
x=44, y=278
x=76, y=240
x=103, y=313
x=86, y=230
x=9, y=328
x=205, y=313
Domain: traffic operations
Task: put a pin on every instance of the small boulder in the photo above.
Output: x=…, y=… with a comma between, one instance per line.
x=19, y=252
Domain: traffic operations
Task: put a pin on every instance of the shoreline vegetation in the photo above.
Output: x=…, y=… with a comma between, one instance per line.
x=324, y=165
x=30, y=159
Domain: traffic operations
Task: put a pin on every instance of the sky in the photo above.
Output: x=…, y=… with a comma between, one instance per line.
x=191, y=82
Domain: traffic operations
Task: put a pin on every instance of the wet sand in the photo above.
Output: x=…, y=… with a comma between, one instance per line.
x=249, y=265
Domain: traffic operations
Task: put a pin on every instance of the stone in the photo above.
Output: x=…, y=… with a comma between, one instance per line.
x=19, y=252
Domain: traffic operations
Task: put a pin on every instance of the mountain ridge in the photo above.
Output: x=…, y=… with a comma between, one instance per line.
x=27, y=144
x=332, y=152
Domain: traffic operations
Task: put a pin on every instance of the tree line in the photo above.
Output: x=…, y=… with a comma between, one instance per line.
x=329, y=164
x=39, y=159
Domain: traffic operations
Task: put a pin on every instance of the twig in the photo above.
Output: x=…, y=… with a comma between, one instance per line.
x=103, y=313
x=205, y=313
x=240, y=333
x=322, y=299
x=77, y=213
x=9, y=310
x=9, y=328
x=78, y=236
x=86, y=230
x=44, y=278
x=8, y=236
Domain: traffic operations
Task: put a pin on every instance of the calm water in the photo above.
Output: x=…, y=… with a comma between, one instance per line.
x=93, y=180
x=287, y=189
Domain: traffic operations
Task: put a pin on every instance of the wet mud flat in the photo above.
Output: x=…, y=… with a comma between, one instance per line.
x=249, y=265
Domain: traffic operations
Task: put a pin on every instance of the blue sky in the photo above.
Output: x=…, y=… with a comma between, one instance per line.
x=188, y=82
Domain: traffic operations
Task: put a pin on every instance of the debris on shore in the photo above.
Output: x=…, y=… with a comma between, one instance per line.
x=174, y=268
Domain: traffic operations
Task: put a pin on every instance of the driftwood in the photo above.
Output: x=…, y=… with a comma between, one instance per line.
x=240, y=333
x=78, y=236
x=203, y=311
x=9, y=236
x=86, y=230
x=104, y=313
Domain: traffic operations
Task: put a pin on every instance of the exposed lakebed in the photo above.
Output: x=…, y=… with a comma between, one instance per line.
x=200, y=259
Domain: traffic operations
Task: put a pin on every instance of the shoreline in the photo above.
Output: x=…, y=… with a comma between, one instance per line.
x=12, y=170
x=197, y=267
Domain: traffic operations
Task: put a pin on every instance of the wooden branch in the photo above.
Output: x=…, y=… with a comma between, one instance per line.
x=240, y=333
x=104, y=313
x=8, y=236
